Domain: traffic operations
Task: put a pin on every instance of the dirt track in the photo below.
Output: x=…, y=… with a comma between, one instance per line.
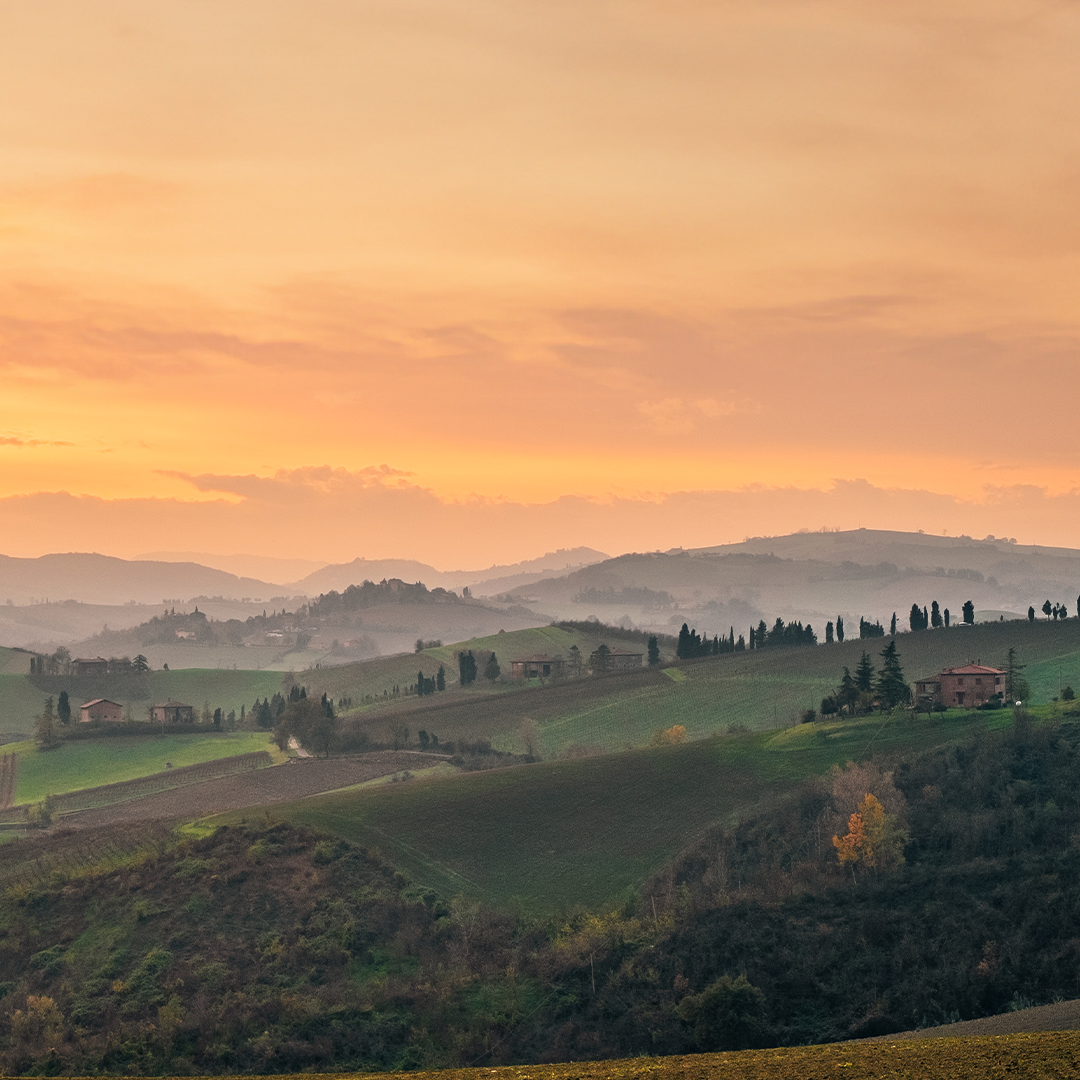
x=280, y=783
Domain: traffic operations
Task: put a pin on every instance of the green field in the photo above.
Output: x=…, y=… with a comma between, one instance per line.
x=374, y=676
x=73, y=766
x=20, y=702
x=21, y=699
x=760, y=690
x=582, y=831
x=14, y=662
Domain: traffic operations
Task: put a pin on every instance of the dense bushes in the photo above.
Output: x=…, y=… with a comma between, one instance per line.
x=272, y=949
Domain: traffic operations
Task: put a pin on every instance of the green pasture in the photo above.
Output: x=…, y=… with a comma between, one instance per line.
x=20, y=702
x=14, y=662
x=583, y=831
x=73, y=766
x=759, y=690
x=216, y=686
x=383, y=673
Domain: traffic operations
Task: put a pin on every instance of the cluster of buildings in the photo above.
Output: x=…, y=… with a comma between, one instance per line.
x=102, y=710
x=543, y=666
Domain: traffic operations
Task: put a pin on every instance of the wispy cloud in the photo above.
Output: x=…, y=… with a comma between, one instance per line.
x=14, y=440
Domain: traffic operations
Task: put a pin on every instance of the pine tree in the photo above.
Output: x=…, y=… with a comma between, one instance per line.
x=440, y=678
x=839, y=629
x=848, y=693
x=828, y=632
x=491, y=669
x=654, y=651
x=935, y=615
x=892, y=690
x=864, y=675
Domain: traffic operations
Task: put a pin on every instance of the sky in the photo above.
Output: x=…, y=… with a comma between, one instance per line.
x=469, y=280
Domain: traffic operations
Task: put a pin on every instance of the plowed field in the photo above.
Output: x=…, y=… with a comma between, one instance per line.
x=281, y=783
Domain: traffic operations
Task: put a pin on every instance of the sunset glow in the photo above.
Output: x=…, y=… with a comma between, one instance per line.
x=518, y=254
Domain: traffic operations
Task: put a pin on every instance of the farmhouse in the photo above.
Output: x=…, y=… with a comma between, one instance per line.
x=624, y=660
x=537, y=667
x=100, y=709
x=173, y=712
x=98, y=665
x=961, y=687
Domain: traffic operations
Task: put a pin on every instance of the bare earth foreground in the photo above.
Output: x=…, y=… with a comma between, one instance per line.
x=1053, y=1055
x=1061, y=1016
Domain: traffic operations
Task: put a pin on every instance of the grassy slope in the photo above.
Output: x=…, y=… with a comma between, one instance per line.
x=760, y=690
x=220, y=687
x=74, y=766
x=14, y=662
x=582, y=831
x=374, y=676
x=20, y=702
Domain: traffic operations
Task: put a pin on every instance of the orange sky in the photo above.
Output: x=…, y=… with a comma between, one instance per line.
x=518, y=253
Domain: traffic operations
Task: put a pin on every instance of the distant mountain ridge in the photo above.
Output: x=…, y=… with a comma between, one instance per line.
x=814, y=577
x=104, y=579
x=482, y=582
x=91, y=578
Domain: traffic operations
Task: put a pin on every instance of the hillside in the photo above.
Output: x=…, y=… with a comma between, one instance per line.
x=102, y=579
x=758, y=689
x=813, y=577
x=549, y=836
x=269, y=947
x=494, y=579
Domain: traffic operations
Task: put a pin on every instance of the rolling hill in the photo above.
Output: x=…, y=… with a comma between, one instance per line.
x=813, y=577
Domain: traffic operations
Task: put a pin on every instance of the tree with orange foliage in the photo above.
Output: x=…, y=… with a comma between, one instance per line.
x=673, y=736
x=874, y=839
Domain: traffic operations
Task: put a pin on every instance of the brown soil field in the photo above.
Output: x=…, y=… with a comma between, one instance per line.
x=1061, y=1016
x=297, y=779
x=1049, y=1055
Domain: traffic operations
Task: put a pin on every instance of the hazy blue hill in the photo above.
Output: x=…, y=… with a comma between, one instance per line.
x=814, y=577
x=340, y=576
x=102, y=579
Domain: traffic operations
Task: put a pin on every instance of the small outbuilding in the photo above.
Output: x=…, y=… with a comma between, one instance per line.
x=174, y=712
x=101, y=710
